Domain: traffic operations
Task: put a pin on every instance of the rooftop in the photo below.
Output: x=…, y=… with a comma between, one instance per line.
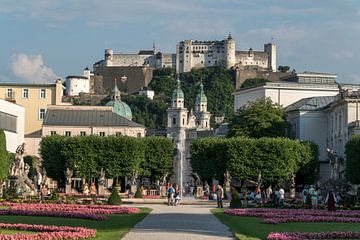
x=86, y=117
x=311, y=104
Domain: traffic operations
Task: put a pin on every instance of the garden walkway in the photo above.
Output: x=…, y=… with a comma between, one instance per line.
x=179, y=223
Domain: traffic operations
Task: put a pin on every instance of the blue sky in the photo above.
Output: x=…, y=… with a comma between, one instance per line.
x=41, y=40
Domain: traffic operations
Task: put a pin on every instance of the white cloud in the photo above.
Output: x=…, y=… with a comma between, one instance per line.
x=31, y=68
x=341, y=55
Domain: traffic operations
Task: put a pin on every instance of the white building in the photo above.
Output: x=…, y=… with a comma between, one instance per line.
x=329, y=122
x=12, y=122
x=283, y=93
x=78, y=84
x=147, y=92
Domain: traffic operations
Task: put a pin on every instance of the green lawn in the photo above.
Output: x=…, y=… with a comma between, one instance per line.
x=251, y=228
x=114, y=228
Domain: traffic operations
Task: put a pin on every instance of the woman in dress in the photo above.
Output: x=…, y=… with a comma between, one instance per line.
x=331, y=200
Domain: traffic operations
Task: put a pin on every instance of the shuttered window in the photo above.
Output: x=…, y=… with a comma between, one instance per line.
x=8, y=122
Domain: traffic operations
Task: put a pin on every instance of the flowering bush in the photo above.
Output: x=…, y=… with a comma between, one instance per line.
x=46, y=232
x=274, y=216
x=93, y=212
x=313, y=235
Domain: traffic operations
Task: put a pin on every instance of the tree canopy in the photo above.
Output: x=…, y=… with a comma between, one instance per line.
x=352, y=168
x=5, y=159
x=276, y=159
x=261, y=118
x=251, y=82
x=283, y=68
x=117, y=155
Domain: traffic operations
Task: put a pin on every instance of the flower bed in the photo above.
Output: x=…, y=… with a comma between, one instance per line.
x=47, y=232
x=93, y=212
x=313, y=235
x=274, y=216
x=152, y=196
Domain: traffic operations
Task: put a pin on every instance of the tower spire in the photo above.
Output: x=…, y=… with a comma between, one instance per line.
x=116, y=92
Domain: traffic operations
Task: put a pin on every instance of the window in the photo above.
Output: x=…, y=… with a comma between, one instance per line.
x=42, y=93
x=52, y=133
x=9, y=93
x=68, y=133
x=138, y=135
x=82, y=133
x=8, y=122
x=41, y=113
x=118, y=134
x=174, y=121
x=102, y=134
x=25, y=93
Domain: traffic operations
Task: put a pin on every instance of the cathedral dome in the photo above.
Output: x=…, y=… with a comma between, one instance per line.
x=119, y=107
x=201, y=97
x=178, y=93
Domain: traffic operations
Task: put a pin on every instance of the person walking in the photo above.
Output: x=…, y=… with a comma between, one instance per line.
x=331, y=200
x=171, y=192
x=219, y=195
x=281, y=196
x=269, y=192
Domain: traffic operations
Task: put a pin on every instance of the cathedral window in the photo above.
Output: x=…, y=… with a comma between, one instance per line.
x=183, y=121
x=174, y=121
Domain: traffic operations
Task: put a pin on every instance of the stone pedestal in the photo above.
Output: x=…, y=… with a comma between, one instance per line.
x=133, y=189
x=163, y=191
x=102, y=189
x=199, y=192
x=68, y=188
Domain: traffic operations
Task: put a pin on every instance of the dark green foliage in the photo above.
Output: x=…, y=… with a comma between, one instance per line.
x=258, y=119
x=119, y=156
x=158, y=159
x=252, y=82
x=352, y=151
x=163, y=82
x=235, y=199
x=55, y=195
x=138, y=193
x=5, y=158
x=283, y=68
x=150, y=113
x=275, y=158
x=32, y=161
x=308, y=168
x=114, y=198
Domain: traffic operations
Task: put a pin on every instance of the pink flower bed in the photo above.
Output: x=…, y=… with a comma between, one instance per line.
x=313, y=235
x=93, y=212
x=274, y=216
x=46, y=232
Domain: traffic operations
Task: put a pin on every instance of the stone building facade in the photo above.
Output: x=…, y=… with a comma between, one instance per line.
x=183, y=126
x=199, y=54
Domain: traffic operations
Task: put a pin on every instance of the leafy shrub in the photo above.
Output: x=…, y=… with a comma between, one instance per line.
x=138, y=193
x=114, y=198
x=55, y=195
x=235, y=199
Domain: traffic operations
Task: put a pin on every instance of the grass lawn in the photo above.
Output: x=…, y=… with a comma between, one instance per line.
x=114, y=228
x=252, y=228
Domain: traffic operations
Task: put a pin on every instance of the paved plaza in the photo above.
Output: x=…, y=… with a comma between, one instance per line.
x=179, y=222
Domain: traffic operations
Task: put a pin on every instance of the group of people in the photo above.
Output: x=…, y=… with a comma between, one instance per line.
x=313, y=195
x=173, y=195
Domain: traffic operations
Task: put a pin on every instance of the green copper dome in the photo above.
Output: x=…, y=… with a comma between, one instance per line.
x=178, y=93
x=201, y=97
x=120, y=108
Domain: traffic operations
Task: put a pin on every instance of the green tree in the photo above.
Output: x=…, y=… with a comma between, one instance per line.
x=283, y=68
x=158, y=159
x=114, y=198
x=352, y=167
x=163, y=82
x=260, y=118
x=251, y=82
x=308, y=167
x=5, y=160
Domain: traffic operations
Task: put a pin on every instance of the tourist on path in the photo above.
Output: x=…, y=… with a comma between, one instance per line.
x=314, y=197
x=269, y=192
x=281, y=196
x=219, y=195
x=171, y=192
x=331, y=200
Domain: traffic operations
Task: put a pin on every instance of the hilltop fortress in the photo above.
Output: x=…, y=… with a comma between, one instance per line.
x=196, y=54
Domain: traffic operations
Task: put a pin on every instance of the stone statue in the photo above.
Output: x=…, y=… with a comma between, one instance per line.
x=334, y=164
x=18, y=165
x=69, y=174
x=163, y=183
x=134, y=178
x=102, y=177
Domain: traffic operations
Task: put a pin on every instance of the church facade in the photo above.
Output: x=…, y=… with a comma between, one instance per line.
x=183, y=126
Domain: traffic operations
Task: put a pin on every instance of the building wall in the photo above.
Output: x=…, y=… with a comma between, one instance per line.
x=76, y=130
x=76, y=85
x=33, y=104
x=283, y=94
x=136, y=78
x=13, y=138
